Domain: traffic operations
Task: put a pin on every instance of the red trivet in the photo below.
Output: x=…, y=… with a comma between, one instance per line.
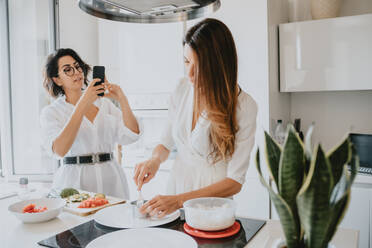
x=213, y=234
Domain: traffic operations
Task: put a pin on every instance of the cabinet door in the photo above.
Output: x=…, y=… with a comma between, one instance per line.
x=358, y=214
x=339, y=58
x=156, y=186
x=370, y=218
x=142, y=58
x=253, y=200
x=78, y=31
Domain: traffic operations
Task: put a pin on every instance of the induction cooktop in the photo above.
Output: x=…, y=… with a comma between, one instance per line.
x=81, y=235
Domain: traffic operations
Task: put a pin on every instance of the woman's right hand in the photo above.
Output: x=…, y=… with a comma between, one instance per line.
x=145, y=171
x=91, y=93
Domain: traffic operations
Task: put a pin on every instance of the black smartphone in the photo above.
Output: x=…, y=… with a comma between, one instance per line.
x=99, y=72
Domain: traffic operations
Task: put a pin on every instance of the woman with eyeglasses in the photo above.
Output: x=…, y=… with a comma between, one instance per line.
x=212, y=123
x=81, y=128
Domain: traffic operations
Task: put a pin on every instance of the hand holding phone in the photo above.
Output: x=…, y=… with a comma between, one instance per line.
x=99, y=72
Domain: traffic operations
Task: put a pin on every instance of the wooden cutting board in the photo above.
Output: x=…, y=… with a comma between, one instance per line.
x=73, y=207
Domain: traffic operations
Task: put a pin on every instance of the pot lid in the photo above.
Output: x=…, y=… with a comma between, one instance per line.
x=145, y=11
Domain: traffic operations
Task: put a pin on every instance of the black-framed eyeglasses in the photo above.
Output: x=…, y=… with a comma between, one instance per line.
x=70, y=70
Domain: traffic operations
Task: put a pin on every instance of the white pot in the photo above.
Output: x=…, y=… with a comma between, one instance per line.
x=280, y=243
x=325, y=8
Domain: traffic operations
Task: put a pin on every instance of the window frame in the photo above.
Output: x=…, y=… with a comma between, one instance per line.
x=7, y=151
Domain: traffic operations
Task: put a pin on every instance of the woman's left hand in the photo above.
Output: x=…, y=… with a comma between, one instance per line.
x=161, y=205
x=114, y=91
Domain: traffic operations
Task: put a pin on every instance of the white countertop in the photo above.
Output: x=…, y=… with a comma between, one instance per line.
x=363, y=179
x=272, y=231
x=14, y=233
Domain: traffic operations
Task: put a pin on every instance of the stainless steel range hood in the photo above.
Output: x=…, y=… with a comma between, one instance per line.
x=149, y=11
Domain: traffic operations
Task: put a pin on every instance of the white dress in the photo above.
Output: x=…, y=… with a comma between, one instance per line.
x=191, y=169
x=106, y=130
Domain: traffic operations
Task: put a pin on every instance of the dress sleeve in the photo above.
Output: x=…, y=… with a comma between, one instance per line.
x=166, y=136
x=245, y=138
x=124, y=135
x=51, y=126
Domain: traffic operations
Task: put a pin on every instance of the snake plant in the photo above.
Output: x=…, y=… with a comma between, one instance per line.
x=311, y=189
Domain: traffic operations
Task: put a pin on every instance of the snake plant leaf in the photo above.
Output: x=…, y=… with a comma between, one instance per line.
x=338, y=157
x=291, y=168
x=308, y=148
x=340, y=204
x=313, y=200
x=340, y=188
x=290, y=225
x=354, y=164
x=273, y=152
x=308, y=144
x=337, y=213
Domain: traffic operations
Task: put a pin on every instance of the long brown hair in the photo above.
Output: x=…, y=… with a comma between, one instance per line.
x=215, y=83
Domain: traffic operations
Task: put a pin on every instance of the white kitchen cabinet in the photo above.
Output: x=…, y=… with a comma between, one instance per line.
x=370, y=217
x=253, y=200
x=78, y=30
x=155, y=187
x=326, y=55
x=142, y=58
x=358, y=215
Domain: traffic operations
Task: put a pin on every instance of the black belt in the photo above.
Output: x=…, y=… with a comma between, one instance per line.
x=93, y=158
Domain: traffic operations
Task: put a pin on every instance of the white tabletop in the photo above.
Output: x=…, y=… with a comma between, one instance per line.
x=14, y=233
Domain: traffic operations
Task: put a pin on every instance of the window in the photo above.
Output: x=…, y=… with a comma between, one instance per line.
x=3, y=80
x=1, y=167
x=30, y=36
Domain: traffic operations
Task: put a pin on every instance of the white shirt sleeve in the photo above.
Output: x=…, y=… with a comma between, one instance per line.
x=51, y=126
x=124, y=135
x=245, y=138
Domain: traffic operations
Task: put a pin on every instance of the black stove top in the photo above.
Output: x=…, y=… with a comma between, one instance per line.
x=81, y=235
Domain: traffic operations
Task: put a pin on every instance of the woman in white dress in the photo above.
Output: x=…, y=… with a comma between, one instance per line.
x=212, y=124
x=82, y=128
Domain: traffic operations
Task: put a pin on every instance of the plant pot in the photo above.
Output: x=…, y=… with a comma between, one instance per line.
x=280, y=243
x=325, y=8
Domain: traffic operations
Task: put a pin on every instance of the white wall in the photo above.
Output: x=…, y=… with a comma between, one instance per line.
x=78, y=31
x=355, y=7
x=336, y=113
x=279, y=103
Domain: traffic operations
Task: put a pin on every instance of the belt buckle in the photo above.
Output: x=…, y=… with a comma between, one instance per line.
x=95, y=158
x=101, y=153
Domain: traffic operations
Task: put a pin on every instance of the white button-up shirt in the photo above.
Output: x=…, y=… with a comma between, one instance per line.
x=192, y=169
x=101, y=136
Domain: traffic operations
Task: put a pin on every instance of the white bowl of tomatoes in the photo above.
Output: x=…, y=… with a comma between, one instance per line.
x=37, y=210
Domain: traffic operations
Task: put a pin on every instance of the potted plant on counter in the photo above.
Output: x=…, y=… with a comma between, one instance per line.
x=312, y=188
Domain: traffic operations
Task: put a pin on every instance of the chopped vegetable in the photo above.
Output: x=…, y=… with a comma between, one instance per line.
x=100, y=195
x=68, y=192
x=93, y=202
x=78, y=197
x=31, y=208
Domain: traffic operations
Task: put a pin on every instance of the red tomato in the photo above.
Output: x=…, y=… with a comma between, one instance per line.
x=31, y=208
x=92, y=203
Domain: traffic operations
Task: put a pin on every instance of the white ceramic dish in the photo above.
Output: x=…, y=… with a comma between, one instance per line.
x=54, y=208
x=210, y=213
x=123, y=216
x=144, y=238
